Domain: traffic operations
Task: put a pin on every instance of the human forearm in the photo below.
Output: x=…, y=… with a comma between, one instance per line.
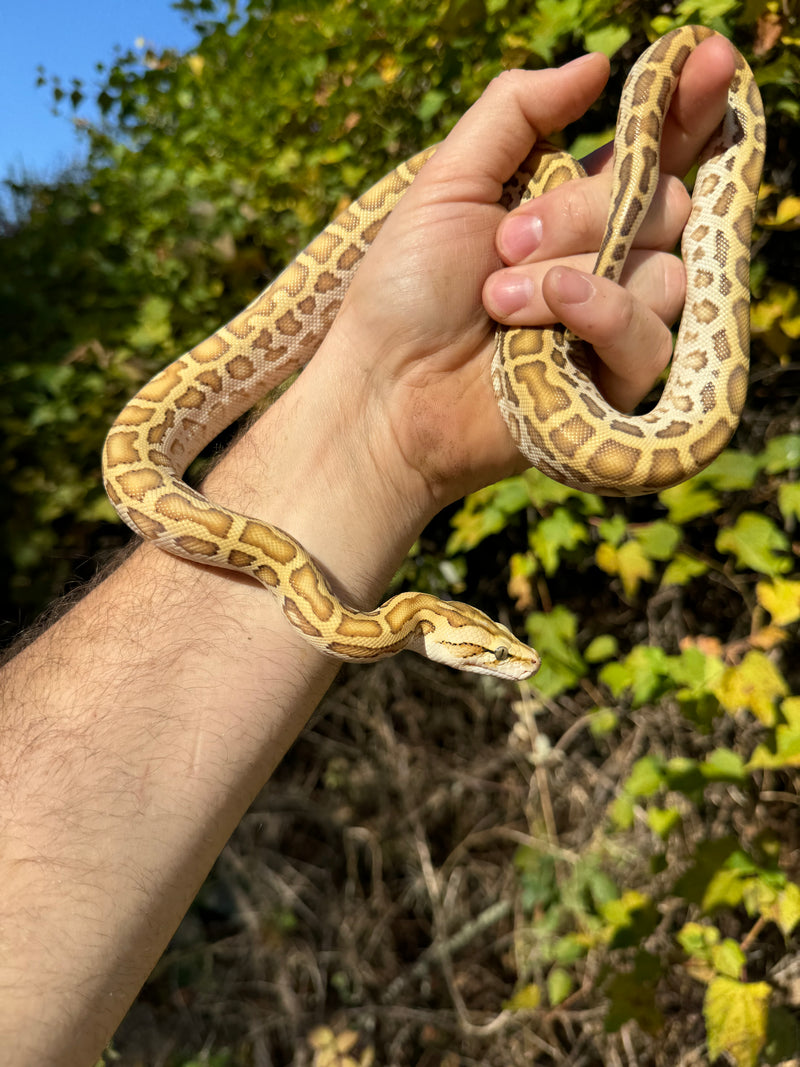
x=138, y=728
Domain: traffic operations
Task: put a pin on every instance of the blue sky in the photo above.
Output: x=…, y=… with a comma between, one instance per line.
x=67, y=37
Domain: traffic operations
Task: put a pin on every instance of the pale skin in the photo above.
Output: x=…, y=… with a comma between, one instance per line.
x=138, y=728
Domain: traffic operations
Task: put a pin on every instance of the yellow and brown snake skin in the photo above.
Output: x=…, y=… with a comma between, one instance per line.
x=556, y=415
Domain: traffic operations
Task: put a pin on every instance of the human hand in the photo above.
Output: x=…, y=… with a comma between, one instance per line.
x=421, y=338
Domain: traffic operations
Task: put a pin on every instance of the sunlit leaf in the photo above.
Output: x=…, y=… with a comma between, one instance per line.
x=757, y=544
x=736, y=1019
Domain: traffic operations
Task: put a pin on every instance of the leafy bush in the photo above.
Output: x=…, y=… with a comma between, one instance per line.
x=668, y=626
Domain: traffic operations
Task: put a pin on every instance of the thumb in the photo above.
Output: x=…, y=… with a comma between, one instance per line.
x=487, y=145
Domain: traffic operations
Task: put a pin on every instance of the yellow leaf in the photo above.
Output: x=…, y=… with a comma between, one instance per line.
x=754, y=685
x=736, y=1019
x=628, y=561
x=196, y=64
x=389, y=69
x=781, y=598
x=787, y=214
x=525, y=999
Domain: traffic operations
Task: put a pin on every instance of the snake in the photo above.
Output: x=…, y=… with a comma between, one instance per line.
x=559, y=420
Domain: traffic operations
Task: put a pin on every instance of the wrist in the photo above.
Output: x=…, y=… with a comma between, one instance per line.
x=318, y=465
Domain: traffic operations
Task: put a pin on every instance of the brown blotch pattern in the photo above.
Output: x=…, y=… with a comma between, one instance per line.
x=613, y=462
x=306, y=584
x=147, y=527
x=179, y=509
x=666, y=467
x=159, y=388
x=707, y=446
x=547, y=399
x=351, y=626
x=269, y=541
x=240, y=369
x=237, y=558
x=572, y=434
x=298, y=619
x=139, y=483
x=196, y=546
x=121, y=448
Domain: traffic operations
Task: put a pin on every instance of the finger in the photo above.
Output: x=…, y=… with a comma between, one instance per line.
x=697, y=108
x=571, y=219
x=631, y=342
x=698, y=105
x=517, y=296
x=517, y=108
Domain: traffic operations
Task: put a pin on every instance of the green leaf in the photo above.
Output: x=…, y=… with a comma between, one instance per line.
x=603, y=647
x=728, y=958
x=632, y=995
x=658, y=539
x=559, y=985
x=553, y=634
x=646, y=777
x=789, y=499
x=561, y=532
x=607, y=39
x=526, y=999
x=782, y=453
x=630, y=919
x=724, y=765
x=689, y=501
x=698, y=939
x=642, y=671
x=736, y=1019
x=682, y=569
x=603, y=721
x=732, y=471
x=663, y=821
x=756, y=542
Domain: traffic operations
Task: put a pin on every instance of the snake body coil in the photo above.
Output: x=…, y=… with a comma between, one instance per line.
x=557, y=417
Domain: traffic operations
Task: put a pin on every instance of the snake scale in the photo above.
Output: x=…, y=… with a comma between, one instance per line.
x=558, y=419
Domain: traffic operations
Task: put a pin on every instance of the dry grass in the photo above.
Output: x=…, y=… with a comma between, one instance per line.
x=372, y=888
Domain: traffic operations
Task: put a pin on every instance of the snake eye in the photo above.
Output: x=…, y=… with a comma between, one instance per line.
x=501, y=654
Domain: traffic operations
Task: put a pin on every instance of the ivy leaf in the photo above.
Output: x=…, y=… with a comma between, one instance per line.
x=526, y=999
x=733, y=470
x=789, y=499
x=628, y=561
x=782, y=453
x=658, y=539
x=724, y=765
x=755, y=685
x=553, y=634
x=689, y=501
x=755, y=541
x=728, y=958
x=643, y=671
x=558, y=533
x=786, y=752
x=646, y=777
x=663, y=821
x=781, y=598
x=736, y=1019
x=682, y=569
x=559, y=985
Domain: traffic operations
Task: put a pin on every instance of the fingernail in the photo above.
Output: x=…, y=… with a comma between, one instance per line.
x=510, y=292
x=522, y=235
x=570, y=286
x=578, y=60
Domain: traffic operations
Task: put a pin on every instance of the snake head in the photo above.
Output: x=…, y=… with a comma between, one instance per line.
x=471, y=641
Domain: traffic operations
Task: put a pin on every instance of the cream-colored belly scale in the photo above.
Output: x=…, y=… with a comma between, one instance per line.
x=556, y=415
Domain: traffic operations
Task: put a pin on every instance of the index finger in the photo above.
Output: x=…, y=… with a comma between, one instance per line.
x=696, y=109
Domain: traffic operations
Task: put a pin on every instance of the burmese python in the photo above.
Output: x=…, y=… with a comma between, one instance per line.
x=556, y=415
